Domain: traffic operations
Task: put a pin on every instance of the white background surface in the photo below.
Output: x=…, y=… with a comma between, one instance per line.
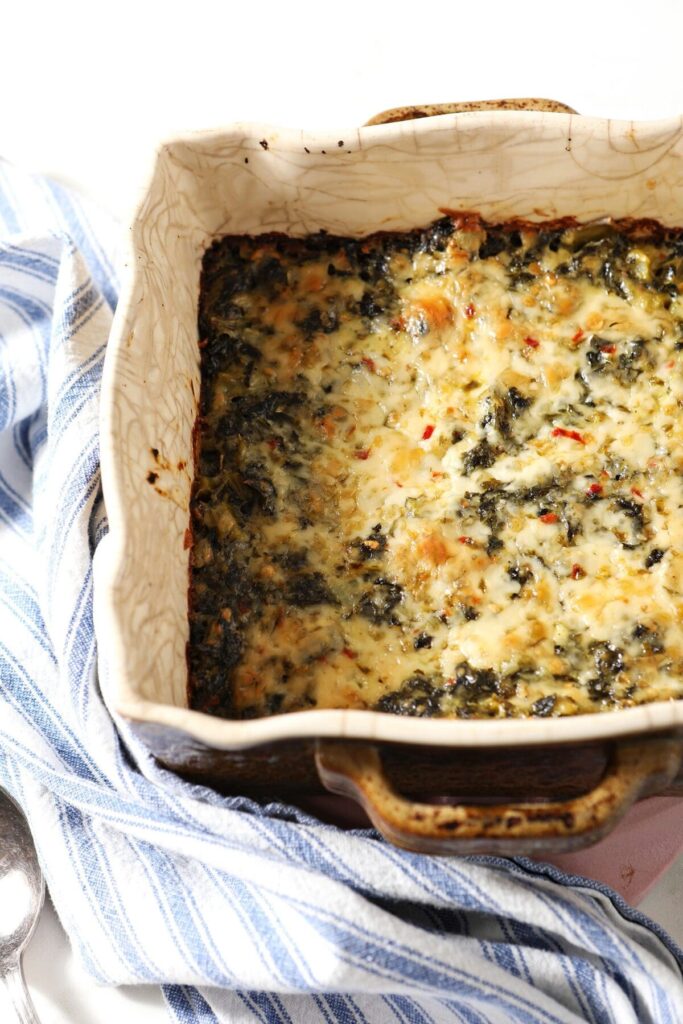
x=89, y=88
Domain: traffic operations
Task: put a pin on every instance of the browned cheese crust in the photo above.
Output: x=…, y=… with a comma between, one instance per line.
x=439, y=472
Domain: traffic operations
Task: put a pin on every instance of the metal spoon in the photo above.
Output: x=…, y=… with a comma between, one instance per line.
x=22, y=891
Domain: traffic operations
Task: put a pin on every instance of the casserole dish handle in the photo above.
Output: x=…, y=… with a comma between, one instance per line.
x=433, y=109
x=635, y=769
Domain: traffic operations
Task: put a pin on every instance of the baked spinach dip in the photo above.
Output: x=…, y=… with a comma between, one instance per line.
x=440, y=472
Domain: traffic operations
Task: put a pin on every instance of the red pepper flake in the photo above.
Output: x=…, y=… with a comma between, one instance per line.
x=638, y=494
x=370, y=363
x=579, y=336
x=670, y=365
x=362, y=453
x=574, y=435
x=427, y=432
x=348, y=653
x=577, y=572
x=548, y=517
x=469, y=310
x=466, y=540
x=594, y=489
x=273, y=443
x=609, y=349
x=531, y=342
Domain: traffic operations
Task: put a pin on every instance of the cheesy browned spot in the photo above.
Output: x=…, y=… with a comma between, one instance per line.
x=440, y=472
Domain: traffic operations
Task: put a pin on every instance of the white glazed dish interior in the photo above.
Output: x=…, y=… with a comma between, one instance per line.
x=251, y=179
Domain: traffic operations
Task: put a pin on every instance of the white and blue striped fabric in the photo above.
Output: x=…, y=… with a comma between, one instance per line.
x=243, y=913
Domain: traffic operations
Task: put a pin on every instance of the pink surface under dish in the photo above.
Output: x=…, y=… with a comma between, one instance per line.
x=636, y=853
x=630, y=859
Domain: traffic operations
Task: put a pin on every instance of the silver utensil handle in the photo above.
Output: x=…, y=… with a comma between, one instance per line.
x=15, y=1002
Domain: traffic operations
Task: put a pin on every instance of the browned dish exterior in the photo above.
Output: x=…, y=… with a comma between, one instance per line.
x=509, y=801
x=633, y=770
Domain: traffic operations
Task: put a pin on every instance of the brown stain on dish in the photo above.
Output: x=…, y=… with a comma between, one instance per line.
x=162, y=462
x=413, y=113
x=627, y=874
x=172, y=493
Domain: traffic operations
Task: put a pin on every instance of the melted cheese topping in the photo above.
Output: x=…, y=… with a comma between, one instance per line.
x=440, y=472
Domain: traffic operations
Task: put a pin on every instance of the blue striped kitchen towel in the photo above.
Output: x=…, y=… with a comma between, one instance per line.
x=243, y=913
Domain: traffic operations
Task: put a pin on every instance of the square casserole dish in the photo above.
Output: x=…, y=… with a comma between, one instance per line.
x=433, y=785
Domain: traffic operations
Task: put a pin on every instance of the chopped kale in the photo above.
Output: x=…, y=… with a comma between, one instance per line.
x=477, y=682
x=378, y=603
x=435, y=237
x=422, y=641
x=324, y=321
x=293, y=559
x=600, y=688
x=274, y=702
x=517, y=401
x=248, y=492
x=482, y=456
x=655, y=556
x=309, y=588
x=609, y=662
x=270, y=275
x=520, y=574
x=544, y=706
x=635, y=512
x=468, y=612
x=210, y=462
x=649, y=639
x=598, y=355
x=372, y=546
x=502, y=409
x=614, y=280
x=493, y=244
x=632, y=361
x=263, y=489
x=369, y=307
x=417, y=697
x=253, y=414
x=608, y=659
x=218, y=641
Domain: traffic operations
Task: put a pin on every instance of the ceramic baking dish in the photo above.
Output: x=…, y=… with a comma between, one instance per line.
x=433, y=785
